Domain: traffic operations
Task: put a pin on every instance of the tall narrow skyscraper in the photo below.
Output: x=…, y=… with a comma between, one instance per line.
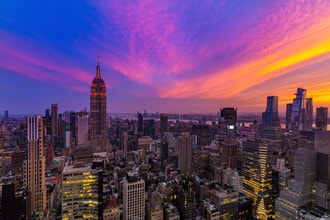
x=308, y=121
x=185, y=153
x=257, y=176
x=34, y=167
x=288, y=115
x=163, y=124
x=133, y=197
x=98, y=113
x=270, y=116
x=321, y=118
x=54, y=125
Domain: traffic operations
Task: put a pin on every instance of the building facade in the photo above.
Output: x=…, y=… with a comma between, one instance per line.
x=82, y=192
x=34, y=167
x=257, y=176
x=134, y=197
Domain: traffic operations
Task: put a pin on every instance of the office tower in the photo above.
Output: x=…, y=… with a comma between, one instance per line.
x=257, y=176
x=6, y=115
x=67, y=137
x=308, y=122
x=301, y=112
x=98, y=113
x=288, y=115
x=230, y=118
x=298, y=192
x=34, y=167
x=47, y=119
x=230, y=153
x=54, y=125
x=73, y=122
x=270, y=116
x=61, y=131
x=140, y=124
x=149, y=128
x=187, y=199
x=134, y=197
x=82, y=192
x=185, y=142
x=321, y=118
x=163, y=124
x=82, y=128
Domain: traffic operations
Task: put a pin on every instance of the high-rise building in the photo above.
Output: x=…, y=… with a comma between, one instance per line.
x=134, y=197
x=299, y=190
x=82, y=192
x=257, y=176
x=308, y=121
x=187, y=199
x=230, y=153
x=163, y=124
x=321, y=118
x=98, y=113
x=47, y=124
x=73, y=122
x=288, y=115
x=149, y=128
x=185, y=142
x=140, y=124
x=270, y=116
x=34, y=167
x=301, y=117
x=229, y=116
x=54, y=125
x=6, y=115
x=82, y=128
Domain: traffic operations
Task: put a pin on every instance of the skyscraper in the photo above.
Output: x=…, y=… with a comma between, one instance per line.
x=308, y=120
x=134, y=197
x=54, y=125
x=82, y=128
x=98, y=112
x=301, y=117
x=82, y=192
x=185, y=153
x=288, y=115
x=73, y=129
x=257, y=176
x=6, y=115
x=270, y=116
x=140, y=124
x=230, y=119
x=163, y=124
x=34, y=167
x=321, y=118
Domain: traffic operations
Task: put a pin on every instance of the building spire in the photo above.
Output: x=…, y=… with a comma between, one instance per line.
x=98, y=71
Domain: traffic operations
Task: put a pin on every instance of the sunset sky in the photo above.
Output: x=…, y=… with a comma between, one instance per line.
x=168, y=56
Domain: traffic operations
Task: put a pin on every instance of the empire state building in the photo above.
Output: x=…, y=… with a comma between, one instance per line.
x=98, y=112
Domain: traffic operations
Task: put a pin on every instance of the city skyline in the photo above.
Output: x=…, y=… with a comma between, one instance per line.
x=164, y=56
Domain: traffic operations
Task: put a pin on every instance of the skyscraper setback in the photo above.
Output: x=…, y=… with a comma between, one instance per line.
x=301, y=114
x=98, y=112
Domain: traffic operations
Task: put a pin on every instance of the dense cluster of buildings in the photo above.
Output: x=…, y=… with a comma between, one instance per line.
x=86, y=165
